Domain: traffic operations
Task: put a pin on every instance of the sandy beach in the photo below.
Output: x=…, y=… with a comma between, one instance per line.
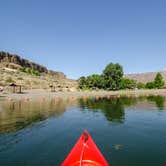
x=38, y=93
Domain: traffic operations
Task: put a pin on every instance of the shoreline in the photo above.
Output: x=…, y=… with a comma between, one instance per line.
x=38, y=93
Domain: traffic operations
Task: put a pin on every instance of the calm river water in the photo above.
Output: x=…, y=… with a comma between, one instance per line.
x=128, y=131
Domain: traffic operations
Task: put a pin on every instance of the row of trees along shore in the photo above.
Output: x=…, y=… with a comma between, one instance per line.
x=112, y=79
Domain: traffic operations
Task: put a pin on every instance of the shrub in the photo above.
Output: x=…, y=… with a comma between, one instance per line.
x=9, y=80
x=150, y=85
x=159, y=81
x=20, y=78
x=34, y=72
x=127, y=83
x=30, y=71
x=140, y=85
x=23, y=69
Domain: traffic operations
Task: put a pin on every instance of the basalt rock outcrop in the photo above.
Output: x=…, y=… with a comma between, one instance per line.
x=16, y=62
x=10, y=65
x=7, y=58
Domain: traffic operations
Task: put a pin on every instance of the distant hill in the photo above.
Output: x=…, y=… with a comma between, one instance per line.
x=16, y=62
x=11, y=66
x=145, y=77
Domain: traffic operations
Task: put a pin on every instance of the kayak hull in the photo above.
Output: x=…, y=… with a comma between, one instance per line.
x=85, y=153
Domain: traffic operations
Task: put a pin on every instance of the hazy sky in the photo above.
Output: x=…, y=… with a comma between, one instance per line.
x=79, y=37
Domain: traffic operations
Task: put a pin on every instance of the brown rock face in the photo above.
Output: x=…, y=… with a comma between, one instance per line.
x=7, y=58
x=10, y=66
x=56, y=74
x=16, y=62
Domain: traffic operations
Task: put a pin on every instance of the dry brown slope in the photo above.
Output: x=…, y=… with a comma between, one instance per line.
x=10, y=65
x=145, y=77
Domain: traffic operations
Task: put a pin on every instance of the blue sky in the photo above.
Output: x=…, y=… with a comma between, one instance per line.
x=79, y=37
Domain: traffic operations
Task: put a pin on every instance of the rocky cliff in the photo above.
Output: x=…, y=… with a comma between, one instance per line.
x=10, y=72
x=6, y=58
x=16, y=62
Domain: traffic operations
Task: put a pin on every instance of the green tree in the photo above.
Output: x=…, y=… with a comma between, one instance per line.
x=111, y=79
x=113, y=74
x=140, y=85
x=150, y=85
x=101, y=82
x=82, y=82
x=95, y=80
x=110, y=84
x=159, y=81
x=89, y=82
x=126, y=83
x=92, y=81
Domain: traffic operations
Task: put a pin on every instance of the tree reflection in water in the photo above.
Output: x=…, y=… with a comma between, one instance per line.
x=112, y=108
x=159, y=100
x=15, y=115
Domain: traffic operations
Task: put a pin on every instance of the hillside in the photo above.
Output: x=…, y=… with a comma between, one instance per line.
x=14, y=69
x=145, y=77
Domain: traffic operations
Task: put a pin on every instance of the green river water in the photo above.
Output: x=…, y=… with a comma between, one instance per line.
x=128, y=131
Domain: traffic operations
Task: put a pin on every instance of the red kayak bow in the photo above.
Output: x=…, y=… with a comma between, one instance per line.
x=85, y=153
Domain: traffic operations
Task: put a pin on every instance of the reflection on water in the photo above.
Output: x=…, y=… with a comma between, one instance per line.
x=15, y=115
x=42, y=132
x=112, y=108
x=159, y=100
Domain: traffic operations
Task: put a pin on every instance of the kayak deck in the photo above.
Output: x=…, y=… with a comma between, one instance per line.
x=85, y=153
